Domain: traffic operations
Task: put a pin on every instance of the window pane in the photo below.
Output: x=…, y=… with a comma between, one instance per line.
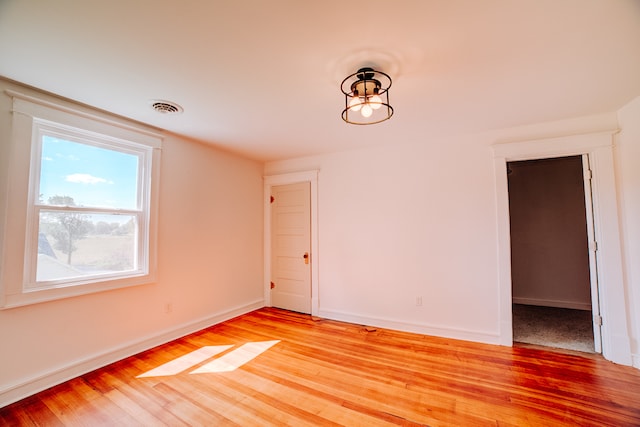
x=74, y=244
x=76, y=174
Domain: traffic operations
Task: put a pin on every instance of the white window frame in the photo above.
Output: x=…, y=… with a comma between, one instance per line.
x=141, y=212
x=32, y=118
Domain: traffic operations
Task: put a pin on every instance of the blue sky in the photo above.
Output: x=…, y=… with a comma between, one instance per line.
x=93, y=176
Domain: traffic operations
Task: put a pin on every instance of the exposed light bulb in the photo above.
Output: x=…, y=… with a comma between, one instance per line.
x=355, y=104
x=375, y=101
x=367, y=111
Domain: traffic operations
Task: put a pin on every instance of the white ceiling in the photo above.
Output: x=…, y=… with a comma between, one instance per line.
x=261, y=78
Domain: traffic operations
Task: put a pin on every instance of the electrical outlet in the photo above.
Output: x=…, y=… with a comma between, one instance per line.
x=418, y=301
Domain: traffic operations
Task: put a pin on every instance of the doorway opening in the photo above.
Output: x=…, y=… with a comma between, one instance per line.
x=554, y=282
x=598, y=147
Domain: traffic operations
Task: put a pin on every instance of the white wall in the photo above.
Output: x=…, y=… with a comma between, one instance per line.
x=407, y=221
x=628, y=177
x=210, y=268
x=419, y=220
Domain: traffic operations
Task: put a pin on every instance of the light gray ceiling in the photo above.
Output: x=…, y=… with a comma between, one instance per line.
x=261, y=78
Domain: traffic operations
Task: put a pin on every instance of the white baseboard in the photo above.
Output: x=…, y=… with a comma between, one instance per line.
x=36, y=383
x=418, y=328
x=553, y=303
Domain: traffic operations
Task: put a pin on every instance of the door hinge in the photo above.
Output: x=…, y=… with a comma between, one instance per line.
x=273, y=285
x=588, y=175
x=593, y=246
x=273, y=199
x=597, y=319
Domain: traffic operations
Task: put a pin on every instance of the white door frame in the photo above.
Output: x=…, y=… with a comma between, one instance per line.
x=593, y=262
x=599, y=147
x=292, y=178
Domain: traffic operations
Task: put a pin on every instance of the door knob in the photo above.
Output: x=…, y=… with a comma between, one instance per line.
x=306, y=257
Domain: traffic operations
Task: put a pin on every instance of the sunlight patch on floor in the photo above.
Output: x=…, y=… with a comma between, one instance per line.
x=185, y=362
x=226, y=363
x=238, y=357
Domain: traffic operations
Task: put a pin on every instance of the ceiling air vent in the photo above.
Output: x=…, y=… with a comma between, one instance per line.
x=166, y=107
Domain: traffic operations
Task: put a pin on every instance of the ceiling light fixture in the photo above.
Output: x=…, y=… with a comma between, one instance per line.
x=366, y=97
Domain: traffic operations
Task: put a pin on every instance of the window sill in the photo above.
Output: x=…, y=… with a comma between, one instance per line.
x=37, y=296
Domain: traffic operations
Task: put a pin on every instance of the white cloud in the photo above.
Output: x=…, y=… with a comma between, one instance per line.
x=85, y=178
x=68, y=157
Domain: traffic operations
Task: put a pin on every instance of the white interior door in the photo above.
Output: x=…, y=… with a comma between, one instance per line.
x=291, y=258
x=593, y=266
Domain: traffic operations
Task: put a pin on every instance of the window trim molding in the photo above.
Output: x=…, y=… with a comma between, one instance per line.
x=25, y=104
x=26, y=111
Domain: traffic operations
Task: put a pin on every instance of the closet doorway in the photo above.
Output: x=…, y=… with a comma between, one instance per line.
x=554, y=282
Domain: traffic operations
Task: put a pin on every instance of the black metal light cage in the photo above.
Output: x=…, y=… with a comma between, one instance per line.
x=363, y=84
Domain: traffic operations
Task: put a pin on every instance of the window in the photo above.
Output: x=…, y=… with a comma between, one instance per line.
x=90, y=186
x=89, y=207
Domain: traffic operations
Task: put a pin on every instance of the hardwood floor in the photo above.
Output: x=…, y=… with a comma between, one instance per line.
x=327, y=373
